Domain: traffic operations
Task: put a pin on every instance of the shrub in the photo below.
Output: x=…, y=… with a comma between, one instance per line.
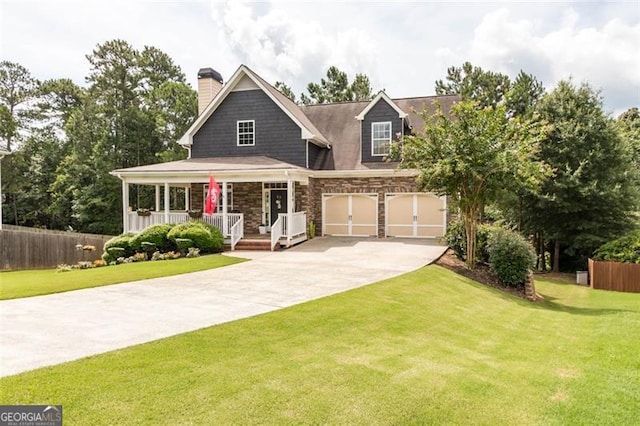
x=183, y=244
x=193, y=252
x=157, y=256
x=206, y=237
x=456, y=239
x=147, y=247
x=624, y=249
x=122, y=241
x=510, y=256
x=485, y=231
x=156, y=234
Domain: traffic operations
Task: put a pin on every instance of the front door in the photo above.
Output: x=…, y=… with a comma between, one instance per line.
x=278, y=203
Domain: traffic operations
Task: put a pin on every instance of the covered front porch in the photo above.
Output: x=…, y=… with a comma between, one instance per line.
x=269, y=200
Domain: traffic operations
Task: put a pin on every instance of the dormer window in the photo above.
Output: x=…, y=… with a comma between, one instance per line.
x=380, y=138
x=246, y=133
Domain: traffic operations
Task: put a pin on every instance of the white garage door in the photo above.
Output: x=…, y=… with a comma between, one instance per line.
x=415, y=215
x=350, y=214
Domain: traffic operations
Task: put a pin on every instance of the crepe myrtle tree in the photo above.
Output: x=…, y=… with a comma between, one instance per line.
x=471, y=154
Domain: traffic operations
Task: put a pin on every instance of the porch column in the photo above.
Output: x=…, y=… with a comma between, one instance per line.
x=289, y=209
x=157, y=198
x=166, y=202
x=225, y=223
x=125, y=206
x=187, y=200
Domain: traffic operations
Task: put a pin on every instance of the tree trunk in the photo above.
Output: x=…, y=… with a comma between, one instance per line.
x=543, y=252
x=536, y=239
x=556, y=256
x=470, y=231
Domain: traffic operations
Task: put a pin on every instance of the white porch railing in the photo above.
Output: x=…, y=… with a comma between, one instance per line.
x=138, y=223
x=237, y=232
x=277, y=231
x=298, y=224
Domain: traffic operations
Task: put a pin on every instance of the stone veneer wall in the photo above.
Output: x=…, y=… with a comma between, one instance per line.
x=373, y=185
x=247, y=199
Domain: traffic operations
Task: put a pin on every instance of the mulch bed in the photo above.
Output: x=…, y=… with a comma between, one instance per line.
x=480, y=274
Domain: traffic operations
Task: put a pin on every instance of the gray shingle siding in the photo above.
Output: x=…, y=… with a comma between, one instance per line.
x=276, y=135
x=381, y=111
x=314, y=153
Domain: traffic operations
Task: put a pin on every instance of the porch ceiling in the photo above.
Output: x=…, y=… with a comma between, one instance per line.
x=229, y=169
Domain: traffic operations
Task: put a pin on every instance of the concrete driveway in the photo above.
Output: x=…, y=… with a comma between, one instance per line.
x=48, y=330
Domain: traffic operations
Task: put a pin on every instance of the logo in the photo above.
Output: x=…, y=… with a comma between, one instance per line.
x=30, y=415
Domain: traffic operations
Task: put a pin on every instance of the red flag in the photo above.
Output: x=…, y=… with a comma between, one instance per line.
x=213, y=194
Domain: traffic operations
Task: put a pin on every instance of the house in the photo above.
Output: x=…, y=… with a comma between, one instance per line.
x=284, y=165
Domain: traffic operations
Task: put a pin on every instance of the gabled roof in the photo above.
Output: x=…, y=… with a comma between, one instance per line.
x=374, y=101
x=337, y=123
x=308, y=130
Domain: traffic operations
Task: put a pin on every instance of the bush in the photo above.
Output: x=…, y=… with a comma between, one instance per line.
x=510, y=256
x=456, y=239
x=122, y=241
x=206, y=237
x=156, y=234
x=624, y=249
x=183, y=244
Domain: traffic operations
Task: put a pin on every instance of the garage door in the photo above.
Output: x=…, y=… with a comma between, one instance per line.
x=415, y=215
x=350, y=214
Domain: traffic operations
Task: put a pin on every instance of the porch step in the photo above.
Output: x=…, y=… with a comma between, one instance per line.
x=255, y=244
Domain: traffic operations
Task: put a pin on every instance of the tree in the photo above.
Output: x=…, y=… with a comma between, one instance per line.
x=592, y=195
x=136, y=107
x=629, y=125
x=17, y=88
x=524, y=93
x=486, y=88
x=471, y=155
x=361, y=88
x=336, y=88
x=285, y=90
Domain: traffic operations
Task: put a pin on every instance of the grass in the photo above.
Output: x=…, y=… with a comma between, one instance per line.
x=429, y=347
x=16, y=284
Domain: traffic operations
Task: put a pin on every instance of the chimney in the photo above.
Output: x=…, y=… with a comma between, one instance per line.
x=209, y=84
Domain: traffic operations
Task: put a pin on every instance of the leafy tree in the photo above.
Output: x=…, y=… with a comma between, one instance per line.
x=470, y=155
x=285, y=90
x=486, y=88
x=592, y=195
x=629, y=125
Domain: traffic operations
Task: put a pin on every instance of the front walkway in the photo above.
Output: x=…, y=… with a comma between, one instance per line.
x=48, y=330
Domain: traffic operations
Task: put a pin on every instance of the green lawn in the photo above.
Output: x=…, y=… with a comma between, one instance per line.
x=18, y=284
x=429, y=347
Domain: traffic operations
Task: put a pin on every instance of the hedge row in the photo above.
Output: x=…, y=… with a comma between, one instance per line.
x=165, y=238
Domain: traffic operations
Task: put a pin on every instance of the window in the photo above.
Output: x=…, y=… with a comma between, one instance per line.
x=246, y=133
x=380, y=138
x=205, y=189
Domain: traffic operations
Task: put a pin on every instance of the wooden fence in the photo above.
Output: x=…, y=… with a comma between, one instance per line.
x=614, y=276
x=32, y=248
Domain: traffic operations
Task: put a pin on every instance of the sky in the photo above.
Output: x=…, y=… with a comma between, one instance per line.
x=403, y=47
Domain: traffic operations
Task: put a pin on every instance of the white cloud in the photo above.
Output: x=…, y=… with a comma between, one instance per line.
x=608, y=56
x=281, y=47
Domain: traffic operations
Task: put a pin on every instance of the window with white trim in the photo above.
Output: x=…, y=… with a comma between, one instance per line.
x=246, y=132
x=380, y=138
